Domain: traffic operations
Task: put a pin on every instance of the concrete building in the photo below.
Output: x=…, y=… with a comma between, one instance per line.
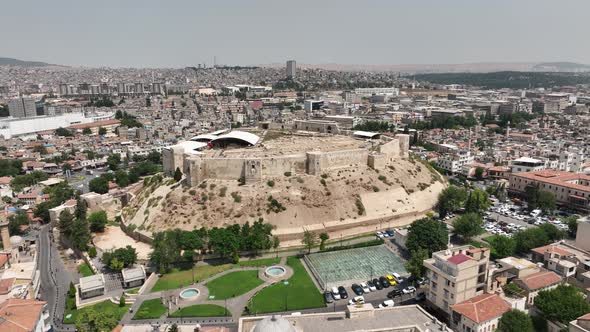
x=312, y=105
x=133, y=277
x=570, y=189
x=456, y=275
x=456, y=161
x=526, y=164
x=91, y=286
x=534, y=283
x=291, y=69
x=409, y=318
x=479, y=314
x=377, y=91
x=22, y=107
x=20, y=315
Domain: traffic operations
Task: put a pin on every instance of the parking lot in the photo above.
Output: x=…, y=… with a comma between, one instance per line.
x=506, y=219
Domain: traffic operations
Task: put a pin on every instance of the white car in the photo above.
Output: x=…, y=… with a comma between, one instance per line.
x=372, y=286
x=356, y=300
x=365, y=287
x=336, y=293
x=409, y=290
x=379, y=234
x=386, y=303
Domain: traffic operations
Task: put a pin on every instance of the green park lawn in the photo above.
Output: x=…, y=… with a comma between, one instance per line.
x=233, y=284
x=181, y=278
x=202, y=310
x=299, y=293
x=106, y=306
x=133, y=290
x=150, y=309
x=85, y=270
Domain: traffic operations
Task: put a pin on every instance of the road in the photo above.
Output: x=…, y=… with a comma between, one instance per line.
x=55, y=280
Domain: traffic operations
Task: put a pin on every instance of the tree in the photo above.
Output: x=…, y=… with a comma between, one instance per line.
x=92, y=252
x=165, y=251
x=323, y=238
x=530, y=238
x=63, y=132
x=276, y=243
x=177, y=174
x=552, y=232
x=80, y=212
x=122, y=178
x=93, y=321
x=80, y=235
x=173, y=328
x=451, y=199
x=114, y=160
x=310, y=239
x=429, y=234
x=515, y=320
x=102, y=131
x=121, y=301
x=546, y=201
x=86, y=131
x=120, y=258
x=16, y=221
x=416, y=263
x=468, y=225
x=477, y=201
x=563, y=304
x=66, y=223
x=98, y=221
x=99, y=185
x=572, y=225
x=503, y=246
x=479, y=173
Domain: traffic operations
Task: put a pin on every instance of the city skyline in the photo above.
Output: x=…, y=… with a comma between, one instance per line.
x=153, y=34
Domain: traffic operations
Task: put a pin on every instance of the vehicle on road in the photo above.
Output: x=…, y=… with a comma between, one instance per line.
x=357, y=289
x=394, y=293
x=343, y=293
x=328, y=297
x=336, y=293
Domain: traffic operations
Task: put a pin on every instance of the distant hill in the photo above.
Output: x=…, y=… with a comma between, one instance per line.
x=22, y=63
x=561, y=67
x=508, y=79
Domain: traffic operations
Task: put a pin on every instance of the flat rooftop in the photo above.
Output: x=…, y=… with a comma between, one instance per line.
x=285, y=145
x=402, y=318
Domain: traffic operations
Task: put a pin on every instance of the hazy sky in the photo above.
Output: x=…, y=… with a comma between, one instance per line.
x=179, y=33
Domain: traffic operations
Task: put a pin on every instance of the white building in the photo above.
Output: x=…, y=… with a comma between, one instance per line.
x=377, y=91
x=526, y=164
x=453, y=162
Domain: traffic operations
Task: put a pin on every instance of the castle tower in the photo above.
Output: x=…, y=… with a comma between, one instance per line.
x=4, y=234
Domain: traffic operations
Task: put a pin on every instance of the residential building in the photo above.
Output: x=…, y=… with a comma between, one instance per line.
x=377, y=91
x=581, y=324
x=456, y=275
x=291, y=68
x=454, y=162
x=20, y=315
x=479, y=314
x=570, y=189
x=556, y=259
x=532, y=284
x=499, y=173
x=526, y=164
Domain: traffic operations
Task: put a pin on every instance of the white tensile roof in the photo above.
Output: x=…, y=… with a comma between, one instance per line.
x=249, y=138
x=366, y=134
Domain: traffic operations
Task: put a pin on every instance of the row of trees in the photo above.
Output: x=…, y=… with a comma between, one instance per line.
x=122, y=177
x=10, y=167
x=120, y=258
x=172, y=247
x=454, y=198
x=446, y=122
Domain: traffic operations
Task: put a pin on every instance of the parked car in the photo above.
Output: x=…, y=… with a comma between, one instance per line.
x=343, y=293
x=365, y=287
x=377, y=284
x=379, y=234
x=421, y=281
x=386, y=303
x=391, y=280
x=328, y=297
x=409, y=290
x=389, y=232
x=398, y=278
x=357, y=289
x=356, y=300
x=371, y=286
x=384, y=282
x=394, y=293
x=336, y=293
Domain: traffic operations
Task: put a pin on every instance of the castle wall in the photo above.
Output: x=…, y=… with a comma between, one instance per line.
x=318, y=162
x=172, y=158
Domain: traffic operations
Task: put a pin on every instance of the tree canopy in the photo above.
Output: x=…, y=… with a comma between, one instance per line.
x=477, y=201
x=451, y=199
x=564, y=304
x=515, y=320
x=468, y=225
x=428, y=234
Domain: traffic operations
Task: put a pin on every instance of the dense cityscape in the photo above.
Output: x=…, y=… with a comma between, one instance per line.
x=295, y=197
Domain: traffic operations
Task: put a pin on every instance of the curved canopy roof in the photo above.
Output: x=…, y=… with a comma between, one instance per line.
x=204, y=138
x=243, y=136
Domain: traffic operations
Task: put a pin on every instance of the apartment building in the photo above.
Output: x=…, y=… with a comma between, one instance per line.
x=456, y=275
x=454, y=162
x=526, y=164
x=537, y=282
x=570, y=189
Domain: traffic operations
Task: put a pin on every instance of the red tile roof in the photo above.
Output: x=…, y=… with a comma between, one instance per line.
x=482, y=308
x=5, y=180
x=540, y=280
x=6, y=285
x=559, y=178
x=458, y=259
x=20, y=315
